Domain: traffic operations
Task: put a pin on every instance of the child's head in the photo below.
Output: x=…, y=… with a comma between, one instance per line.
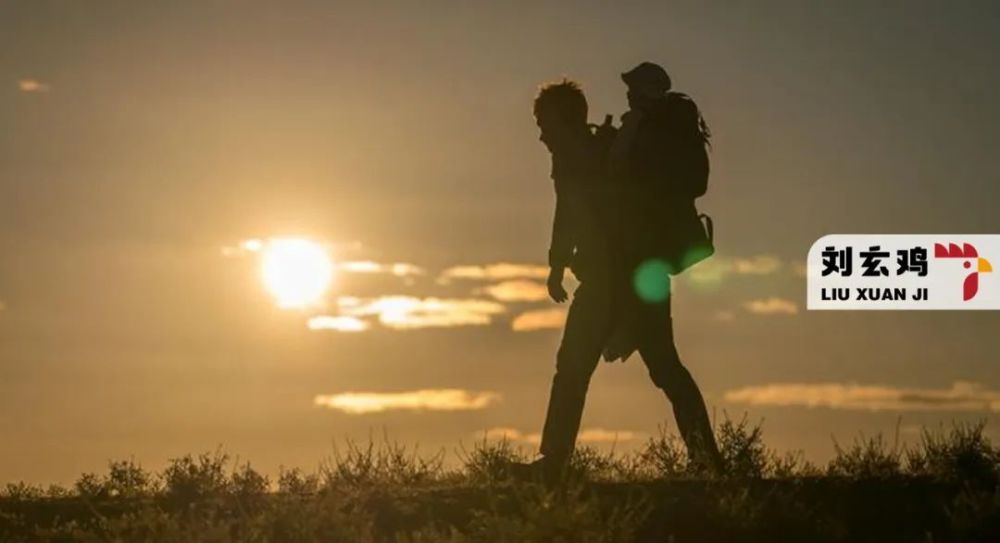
x=561, y=112
x=646, y=83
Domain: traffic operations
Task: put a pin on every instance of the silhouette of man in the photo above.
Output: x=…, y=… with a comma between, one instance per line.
x=579, y=166
x=591, y=235
x=583, y=239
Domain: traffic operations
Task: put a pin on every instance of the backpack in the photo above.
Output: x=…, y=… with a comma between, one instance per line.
x=687, y=137
x=689, y=235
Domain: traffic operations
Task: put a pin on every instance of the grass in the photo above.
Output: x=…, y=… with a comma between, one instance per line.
x=944, y=489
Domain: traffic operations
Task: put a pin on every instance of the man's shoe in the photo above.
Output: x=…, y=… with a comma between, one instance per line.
x=707, y=464
x=543, y=470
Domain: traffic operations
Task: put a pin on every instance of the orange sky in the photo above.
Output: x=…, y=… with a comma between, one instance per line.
x=142, y=144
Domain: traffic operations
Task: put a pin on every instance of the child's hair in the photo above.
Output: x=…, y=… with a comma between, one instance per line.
x=563, y=99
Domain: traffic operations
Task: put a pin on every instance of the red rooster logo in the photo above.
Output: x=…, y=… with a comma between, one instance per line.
x=971, y=285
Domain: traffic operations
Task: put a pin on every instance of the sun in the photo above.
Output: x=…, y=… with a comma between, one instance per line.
x=298, y=272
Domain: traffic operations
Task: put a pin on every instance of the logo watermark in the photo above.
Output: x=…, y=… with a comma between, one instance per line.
x=932, y=271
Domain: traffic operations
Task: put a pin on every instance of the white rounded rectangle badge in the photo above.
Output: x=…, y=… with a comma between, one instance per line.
x=892, y=271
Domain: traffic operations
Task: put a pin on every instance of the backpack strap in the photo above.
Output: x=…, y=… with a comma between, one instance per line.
x=709, y=226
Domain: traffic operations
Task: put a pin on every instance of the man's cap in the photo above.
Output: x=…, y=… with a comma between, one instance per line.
x=648, y=74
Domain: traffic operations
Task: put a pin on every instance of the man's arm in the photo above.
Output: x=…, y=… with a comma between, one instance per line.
x=563, y=243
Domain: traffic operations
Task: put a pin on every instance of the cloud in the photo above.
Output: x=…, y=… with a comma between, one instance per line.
x=518, y=290
x=448, y=399
x=961, y=396
x=600, y=435
x=756, y=265
x=338, y=323
x=539, y=319
x=509, y=434
x=718, y=268
x=496, y=272
x=32, y=85
x=772, y=306
x=399, y=269
x=407, y=312
x=244, y=248
x=587, y=435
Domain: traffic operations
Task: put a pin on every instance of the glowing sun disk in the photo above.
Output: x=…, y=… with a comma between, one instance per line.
x=298, y=272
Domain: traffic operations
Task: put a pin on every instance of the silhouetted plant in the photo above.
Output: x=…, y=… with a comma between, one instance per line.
x=326, y=516
x=405, y=465
x=963, y=453
x=189, y=478
x=489, y=461
x=296, y=483
x=534, y=512
x=629, y=467
x=127, y=479
x=90, y=485
x=867, y=458
x=974, y=514
x=21, y=492
x=390, y=463
x=790, y=464
x=124, y=479
x=357, y=466
x=57, y=491
x=742, y=447
x=381, y=493
x=664, y=455
x=247, y=484
x=589, y=463
x=737, y=512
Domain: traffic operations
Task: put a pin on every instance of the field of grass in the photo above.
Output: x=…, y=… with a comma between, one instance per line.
x=945, y=489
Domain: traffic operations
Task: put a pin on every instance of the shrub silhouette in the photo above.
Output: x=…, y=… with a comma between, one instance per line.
x=294, y=482
x=867, y=458
x=664, y=455
x=963, y=453
x=190, y=479
x=488, y=461
x=943, y=489
x=742, y=447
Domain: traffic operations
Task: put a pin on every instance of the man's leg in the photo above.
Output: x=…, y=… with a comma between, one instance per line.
x=655, y=337
x=587, y=328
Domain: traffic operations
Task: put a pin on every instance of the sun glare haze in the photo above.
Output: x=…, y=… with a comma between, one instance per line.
x=263, y=262
x=298, y=272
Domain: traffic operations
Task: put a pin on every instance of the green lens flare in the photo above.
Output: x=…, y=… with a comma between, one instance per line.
x=652, y=281
x=695, y=255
